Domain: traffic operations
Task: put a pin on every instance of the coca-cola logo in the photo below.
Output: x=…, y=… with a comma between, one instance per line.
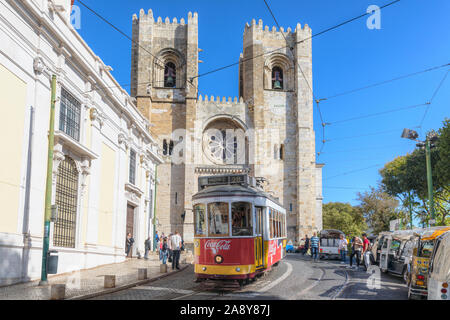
x=217, y=245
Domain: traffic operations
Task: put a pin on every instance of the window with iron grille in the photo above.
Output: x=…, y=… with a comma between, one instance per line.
x=66, y=200
x=69, y=115
x=132, y=167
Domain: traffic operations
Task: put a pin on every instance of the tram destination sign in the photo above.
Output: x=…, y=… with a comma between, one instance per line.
x=243, y=179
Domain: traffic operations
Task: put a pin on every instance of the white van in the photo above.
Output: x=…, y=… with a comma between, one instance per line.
x=439, y=273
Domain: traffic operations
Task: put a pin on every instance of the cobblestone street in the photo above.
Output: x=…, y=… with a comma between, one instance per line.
x=296, y=278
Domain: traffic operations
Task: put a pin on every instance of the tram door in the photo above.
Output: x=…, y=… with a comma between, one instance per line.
x=259, y=242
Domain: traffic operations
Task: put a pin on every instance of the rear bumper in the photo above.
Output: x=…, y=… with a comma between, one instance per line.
x=420, y=291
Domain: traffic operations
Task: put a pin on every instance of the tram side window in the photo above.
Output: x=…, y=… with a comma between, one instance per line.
x=271, y=222
x=200, y=221
x=218, y=219
x=241, y=215
x=277, y=214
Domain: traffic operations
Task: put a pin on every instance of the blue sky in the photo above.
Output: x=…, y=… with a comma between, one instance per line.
x=414, y=36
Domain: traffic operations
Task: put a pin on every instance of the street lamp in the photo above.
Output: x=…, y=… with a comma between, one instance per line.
x=427, y=144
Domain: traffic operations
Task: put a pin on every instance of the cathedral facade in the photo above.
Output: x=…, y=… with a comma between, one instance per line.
x=266, y=132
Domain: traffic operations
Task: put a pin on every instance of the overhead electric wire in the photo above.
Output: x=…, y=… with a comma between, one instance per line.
x=432, y=98
x=306, y=80
x=385, y=82
x=128, y=37
x=366, y=135
x=379, y=113
x=353, y=171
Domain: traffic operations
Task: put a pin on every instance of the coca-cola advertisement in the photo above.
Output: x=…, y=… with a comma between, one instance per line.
x=234, y=251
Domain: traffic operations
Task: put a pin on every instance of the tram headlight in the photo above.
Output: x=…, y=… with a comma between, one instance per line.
x=218, y=259
x=238, y=269
x=204, y=268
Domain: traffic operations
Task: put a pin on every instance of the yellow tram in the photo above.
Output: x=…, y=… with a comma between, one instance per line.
x=240, y=230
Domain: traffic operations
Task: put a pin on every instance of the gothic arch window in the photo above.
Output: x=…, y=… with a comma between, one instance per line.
x=170, y=75
x=279, y=72
x=168, y=70
x=66, y=200
x=277, y=78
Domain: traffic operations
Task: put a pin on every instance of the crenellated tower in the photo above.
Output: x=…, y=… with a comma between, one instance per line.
x=274, y=113
x=275, y=80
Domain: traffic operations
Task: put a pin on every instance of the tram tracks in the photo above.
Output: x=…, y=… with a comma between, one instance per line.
x=336, y=291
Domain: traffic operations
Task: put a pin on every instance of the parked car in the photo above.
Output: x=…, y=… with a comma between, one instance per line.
x=329, y=243
x=419, y=266
x=439, y=273
x=377, y=244
x=290, y=247
x=397, y=250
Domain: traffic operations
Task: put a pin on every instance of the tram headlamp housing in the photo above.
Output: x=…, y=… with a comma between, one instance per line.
x=218, y=259
x=204, y=268
x=238, y=269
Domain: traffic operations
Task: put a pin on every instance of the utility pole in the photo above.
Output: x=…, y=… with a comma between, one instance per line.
x=430, y=179
x=48, y=188
x=427, y=144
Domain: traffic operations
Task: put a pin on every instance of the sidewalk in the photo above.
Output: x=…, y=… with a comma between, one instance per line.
x=89, y=282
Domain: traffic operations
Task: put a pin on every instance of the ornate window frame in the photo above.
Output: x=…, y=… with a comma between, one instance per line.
x=283, y=62
x=162, y=58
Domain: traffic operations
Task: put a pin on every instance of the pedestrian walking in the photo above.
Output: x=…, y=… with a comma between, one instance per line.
x=164, y=252
x=315, y=245
x=169, y=243
x=156, y=241
x=306, y=247
x=175, y=242
x=356, y=251
x=343, y=248
x=129, y=246
x=147, y=246
x=366, y=252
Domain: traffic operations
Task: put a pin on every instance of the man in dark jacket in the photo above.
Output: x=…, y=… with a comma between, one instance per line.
x=306, y=247
x=147, y=247
x=129, y=246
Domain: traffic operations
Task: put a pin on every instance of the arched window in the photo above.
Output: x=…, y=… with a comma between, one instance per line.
x=277, y=78
x=66, y=200
x=170, y=75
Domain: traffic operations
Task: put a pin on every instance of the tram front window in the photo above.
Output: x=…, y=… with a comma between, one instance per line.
x=241, y=219
x=218, y=219
x=200, y=220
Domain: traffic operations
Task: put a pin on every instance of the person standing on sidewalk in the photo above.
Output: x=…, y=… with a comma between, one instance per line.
x=315, y=245
x=356, y=251
x=129, y=246
x=343, y=248
x=175, y=242
x=366, y=252
x=147, y=247
x=156, y=242
x=164, y=252
x=306, y=247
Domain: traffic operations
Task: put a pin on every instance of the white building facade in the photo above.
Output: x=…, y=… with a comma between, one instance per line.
x=104, y=164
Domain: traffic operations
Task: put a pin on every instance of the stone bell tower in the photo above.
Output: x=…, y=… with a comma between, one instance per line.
x=163, y=65
x=276, y=84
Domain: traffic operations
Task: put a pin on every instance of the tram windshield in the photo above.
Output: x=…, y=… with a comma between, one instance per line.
x=200, y=220
x=218, y=219
x=241, y=219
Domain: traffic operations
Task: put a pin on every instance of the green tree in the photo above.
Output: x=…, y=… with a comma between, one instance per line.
x=379, y=208
x=344, y=217
x=405, y=177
